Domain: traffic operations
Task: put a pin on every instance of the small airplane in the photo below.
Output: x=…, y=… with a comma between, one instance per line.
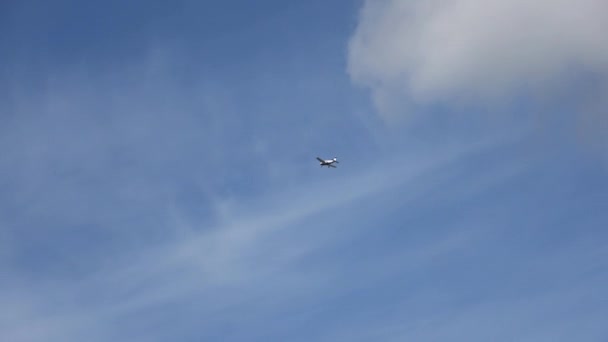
x=327, y=162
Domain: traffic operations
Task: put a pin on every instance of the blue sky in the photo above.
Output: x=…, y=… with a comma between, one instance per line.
x=159, y=180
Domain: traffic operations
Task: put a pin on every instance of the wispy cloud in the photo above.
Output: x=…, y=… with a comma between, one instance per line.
x=222, y=265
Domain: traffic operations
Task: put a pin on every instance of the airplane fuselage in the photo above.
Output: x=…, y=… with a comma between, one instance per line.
x=327, y=162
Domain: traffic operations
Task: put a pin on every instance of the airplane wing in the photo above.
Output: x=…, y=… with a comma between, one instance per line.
x=319, y=159
x=330, y=165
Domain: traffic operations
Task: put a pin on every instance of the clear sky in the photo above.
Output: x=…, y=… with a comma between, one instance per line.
x=158, y=179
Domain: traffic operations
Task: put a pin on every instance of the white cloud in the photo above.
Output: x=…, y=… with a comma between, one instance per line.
x=436, y=50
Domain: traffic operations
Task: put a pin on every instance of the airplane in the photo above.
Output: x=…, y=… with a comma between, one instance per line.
x=327, y=162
